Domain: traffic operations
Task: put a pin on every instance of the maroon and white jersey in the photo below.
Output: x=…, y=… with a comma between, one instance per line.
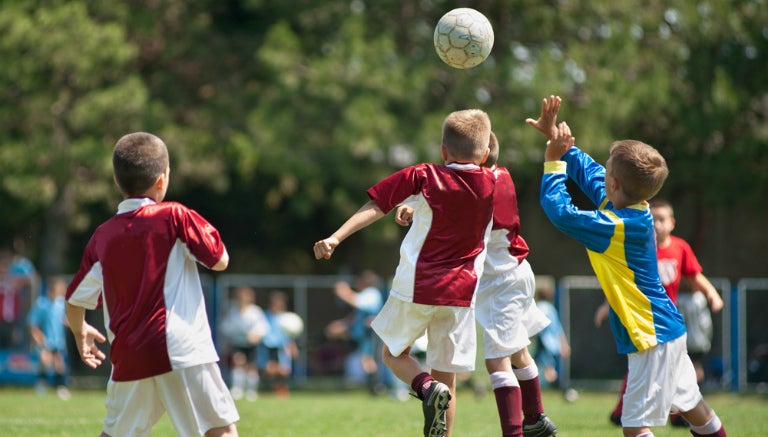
x=442, y=255
x=141, y=265
x=506, y=248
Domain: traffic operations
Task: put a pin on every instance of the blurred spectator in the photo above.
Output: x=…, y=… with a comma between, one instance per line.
x=277, y=349
x=46, y=322
x=243, y=328
x=10, y=304
x=366, y=301
x=551, y=343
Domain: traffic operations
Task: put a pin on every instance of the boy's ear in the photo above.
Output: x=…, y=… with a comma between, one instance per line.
x=444, y=152
x=159, y=182
x=485, y=156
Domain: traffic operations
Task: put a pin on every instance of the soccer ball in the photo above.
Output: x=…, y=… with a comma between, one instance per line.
x=463, y=38
x=291, y=324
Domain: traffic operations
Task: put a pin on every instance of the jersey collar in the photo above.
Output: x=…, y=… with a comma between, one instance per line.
x=133, y=203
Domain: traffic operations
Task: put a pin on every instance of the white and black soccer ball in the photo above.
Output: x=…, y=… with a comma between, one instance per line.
x=463, y=38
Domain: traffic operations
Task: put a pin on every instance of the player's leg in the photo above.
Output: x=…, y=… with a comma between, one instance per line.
x=237, y=374
x=198, y=401
x=449, y=379
x=506, y=390
x=688, y=400
x=133, y=408
x=535, y=422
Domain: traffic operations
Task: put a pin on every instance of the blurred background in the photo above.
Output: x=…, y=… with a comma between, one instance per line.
x=279, y=115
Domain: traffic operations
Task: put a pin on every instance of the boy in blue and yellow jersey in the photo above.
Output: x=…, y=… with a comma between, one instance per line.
x=620, y=242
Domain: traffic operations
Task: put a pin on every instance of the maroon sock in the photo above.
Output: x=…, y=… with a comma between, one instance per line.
x=531, y=396
x=509, y=403
x=620, y=405
x=720, y=433
x=419, y=382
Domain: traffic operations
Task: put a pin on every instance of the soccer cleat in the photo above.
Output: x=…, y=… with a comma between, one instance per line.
x=434, y=404
x=544, y=427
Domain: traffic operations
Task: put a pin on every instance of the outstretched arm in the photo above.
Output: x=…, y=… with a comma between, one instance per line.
x=367, y=214
x=546, y=123
x=86, y=337
x=700, y=282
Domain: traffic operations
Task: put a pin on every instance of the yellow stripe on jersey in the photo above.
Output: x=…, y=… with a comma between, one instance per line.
x=618, y=281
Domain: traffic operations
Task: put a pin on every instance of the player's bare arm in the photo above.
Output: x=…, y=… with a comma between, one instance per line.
x=700, y=282
x=367, y=214
x=561, y=141
x=86, y=337
x=223, y=262
x=546, y=123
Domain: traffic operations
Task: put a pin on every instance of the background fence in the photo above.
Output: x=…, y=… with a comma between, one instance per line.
x=738, y=359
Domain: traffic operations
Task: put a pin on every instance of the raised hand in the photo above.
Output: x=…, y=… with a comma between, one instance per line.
x=561, y=141
x=548, y=117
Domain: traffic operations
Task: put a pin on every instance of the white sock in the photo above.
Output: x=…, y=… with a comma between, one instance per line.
x=503, y=379
x=527, y=373
x=238, y=378
x=712, y=426
x=252, y=381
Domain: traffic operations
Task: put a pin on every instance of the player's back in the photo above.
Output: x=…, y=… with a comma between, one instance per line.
x=439, y=256
x=144, y=260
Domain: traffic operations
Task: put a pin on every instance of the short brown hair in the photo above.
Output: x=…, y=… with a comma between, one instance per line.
x=661, y=203
x=138, y=159
x=639, y=168
x=493, y=151
x=466, y=133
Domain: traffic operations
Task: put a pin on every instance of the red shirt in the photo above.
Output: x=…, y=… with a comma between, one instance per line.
x=441, y=256
x=506, y=215
x=675, y=261
x=142, y=263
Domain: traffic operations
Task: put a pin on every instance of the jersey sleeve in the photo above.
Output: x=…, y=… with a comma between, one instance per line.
x=690, y=264
x=592, y=228
x=201, y=238
x=394, y=189
x=87, y=284
x=588, y=175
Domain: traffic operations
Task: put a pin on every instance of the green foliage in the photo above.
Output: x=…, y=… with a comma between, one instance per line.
x=279, y=115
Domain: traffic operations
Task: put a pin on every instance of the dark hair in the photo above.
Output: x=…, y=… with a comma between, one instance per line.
x=466, y=133
x=639, y=168
x=138, y=160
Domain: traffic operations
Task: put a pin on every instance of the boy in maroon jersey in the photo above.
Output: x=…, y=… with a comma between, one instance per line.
x=441, y=260
x=141, y=265
x=506, y=311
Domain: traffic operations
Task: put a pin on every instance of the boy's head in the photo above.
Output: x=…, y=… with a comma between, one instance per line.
x=663, y=219
x=639, y=169
x=466, y=135
x=139, y=161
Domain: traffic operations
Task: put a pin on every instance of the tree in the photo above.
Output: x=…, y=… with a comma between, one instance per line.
x=66, y=91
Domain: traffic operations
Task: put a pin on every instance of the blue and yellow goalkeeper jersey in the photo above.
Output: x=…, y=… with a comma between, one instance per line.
x=622, y=250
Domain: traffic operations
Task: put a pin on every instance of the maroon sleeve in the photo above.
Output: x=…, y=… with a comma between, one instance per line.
x=394, y=189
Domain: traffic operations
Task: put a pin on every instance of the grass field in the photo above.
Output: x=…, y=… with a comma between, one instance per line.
x=354, y=413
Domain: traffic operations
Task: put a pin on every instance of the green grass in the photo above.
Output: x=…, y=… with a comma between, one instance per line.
x=353, y=413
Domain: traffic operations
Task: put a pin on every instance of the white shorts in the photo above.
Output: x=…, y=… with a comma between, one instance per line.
x=660, y=379
x=195, y=398
x=450, y=332
x=506, y=311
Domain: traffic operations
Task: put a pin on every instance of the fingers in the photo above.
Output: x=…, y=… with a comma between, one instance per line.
x=323, y=249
